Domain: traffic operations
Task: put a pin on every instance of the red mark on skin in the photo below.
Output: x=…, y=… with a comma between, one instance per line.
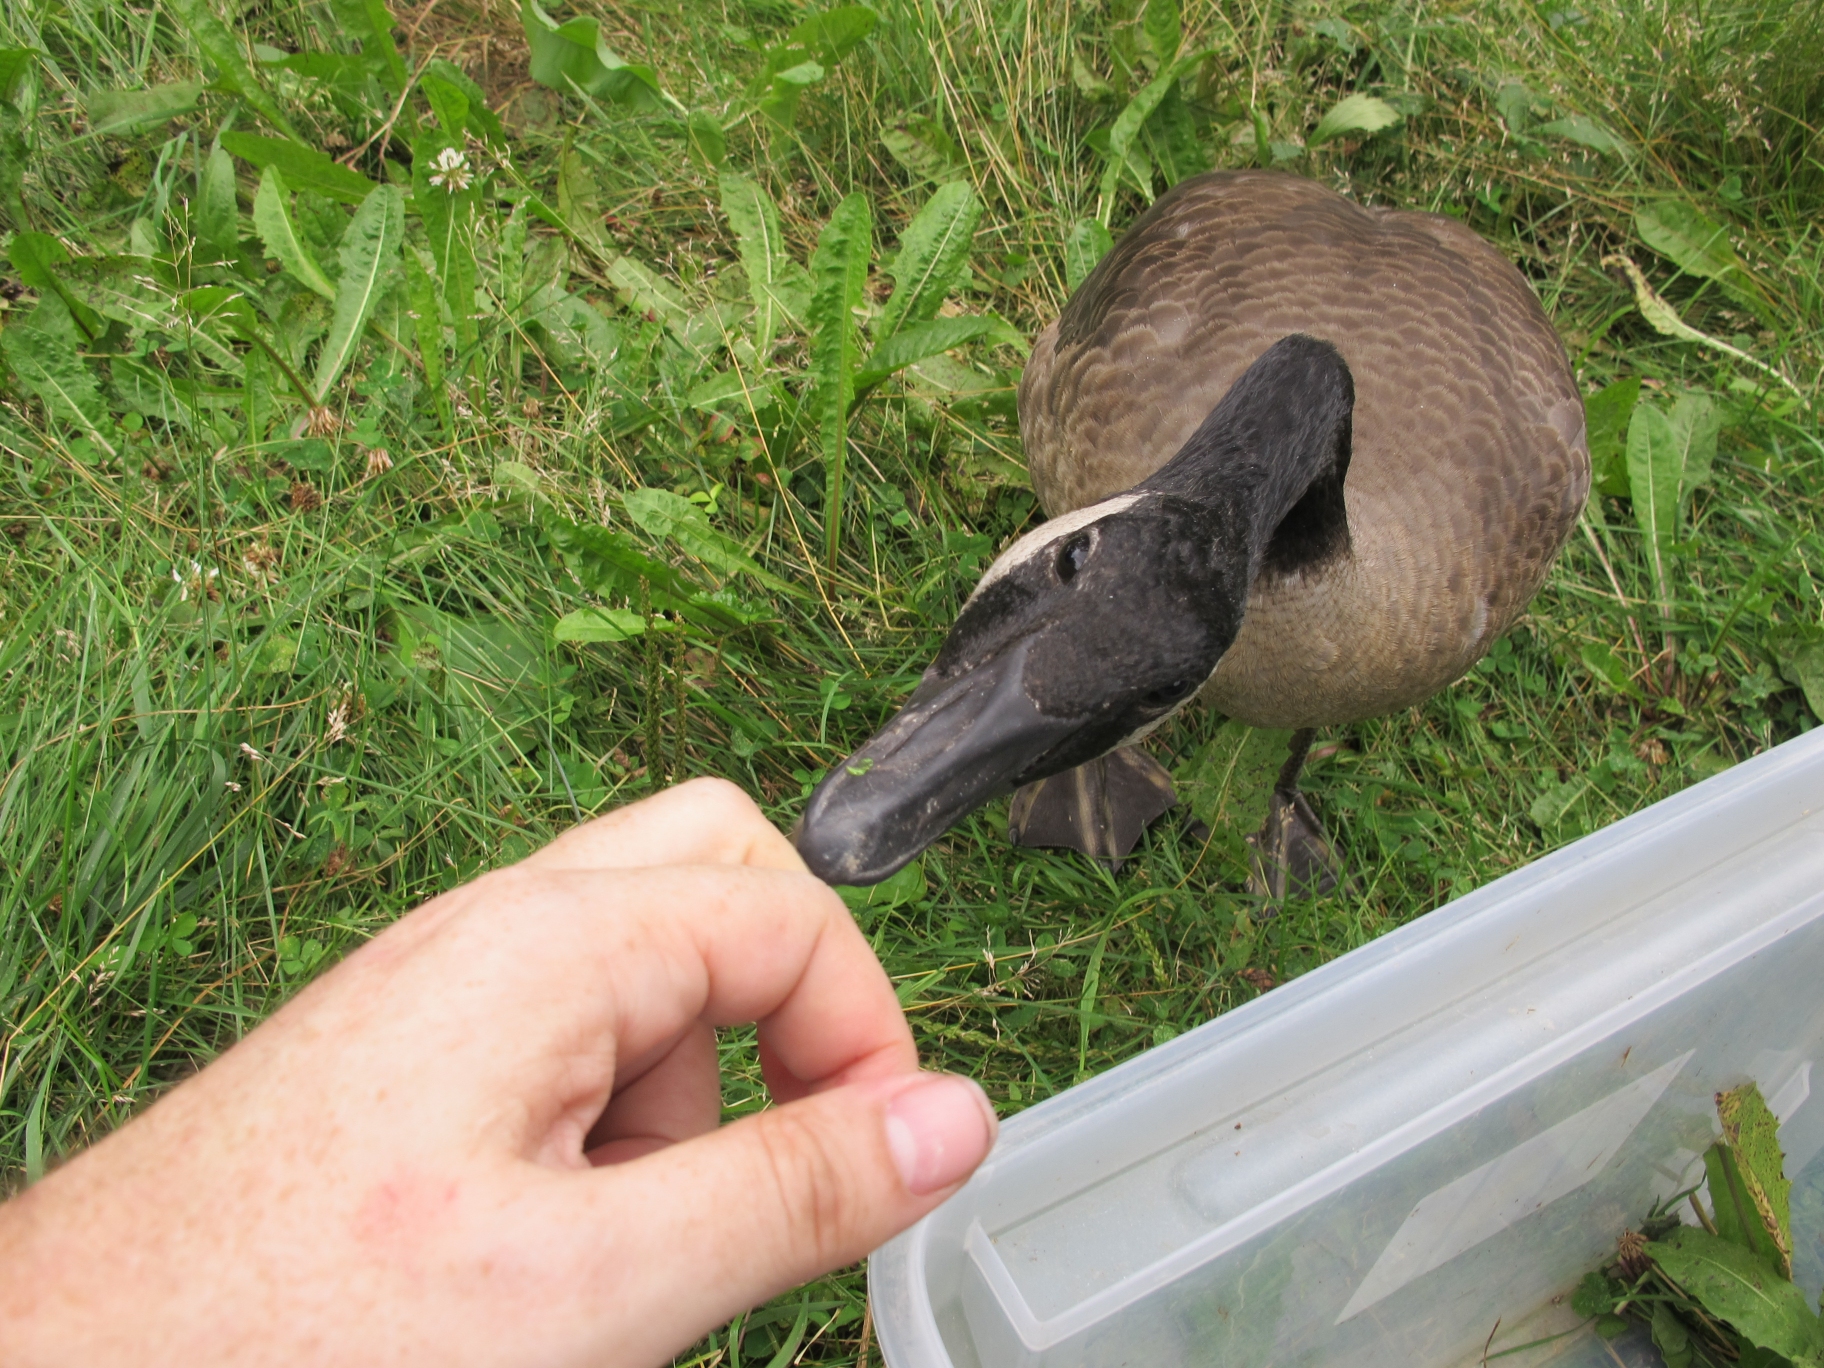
x=404, y=1215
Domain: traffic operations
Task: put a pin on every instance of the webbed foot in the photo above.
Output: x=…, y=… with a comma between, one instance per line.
x=1101, y=809
x=1291, y=853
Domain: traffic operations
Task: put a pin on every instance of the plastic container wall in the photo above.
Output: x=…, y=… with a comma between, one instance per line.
x=1376, y=1162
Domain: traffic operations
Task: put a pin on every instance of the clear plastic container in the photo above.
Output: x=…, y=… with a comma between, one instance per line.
x=1375, y=1163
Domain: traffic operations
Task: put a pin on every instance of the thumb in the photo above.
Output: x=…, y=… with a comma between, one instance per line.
x=745, y=1212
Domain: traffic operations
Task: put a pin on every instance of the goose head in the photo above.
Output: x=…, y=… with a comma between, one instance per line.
x=1093, y=629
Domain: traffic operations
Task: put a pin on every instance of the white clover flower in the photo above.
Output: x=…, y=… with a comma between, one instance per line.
x=453, y=171
x=197, y=580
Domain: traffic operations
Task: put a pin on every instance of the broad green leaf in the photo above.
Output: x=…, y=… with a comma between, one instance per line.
x=215, y=215
x=37, y=257
x=501, y=678
x=427, y=329
x=449, y=105
x=1655, y=469
x=1665, y=320
x=304, y=168
x=612, y=565
x=148, y=391
x=579, y=200
x=1517, y=106
x=574, y=55
x=785, y=87
x=755, y=219
x=129, y=290
x=839, y=273
x=912, y=345
x=1731, y=1209
x=1353, y=114
x=1605, y=416
x=371, y=24
x=933, y=255
x=1126, y=128
x=907, y=886
x=1087, y=243
x=1084, y=78
x=1228, y=782
x=1585, y=131
x=510, y=257
x=1602, y=662
x=705, y=139
x=1670, y=1337
x=1742, y=1289
x=1171, y=139
x=46, y=361
x=1799, y=653
x=224, y=52
x=17, y=68
x=370, y=256
x=1695, y=425
x=481, y=121
x=1753, y=1134
x=1163, y=28
x=574, y=333
x=1697, y=244
x=926, y=149
x=223, y=308
x=256, y=395
x=449, y=197
x=124, y=111
x=272, y=221
x=675, y=518
x=644, y=292
x=603, y=624
x=730, y=391
x=1593, y=1297
x=833, y=34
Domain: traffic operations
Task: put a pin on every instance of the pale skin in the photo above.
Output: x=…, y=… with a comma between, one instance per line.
x=491, y=1135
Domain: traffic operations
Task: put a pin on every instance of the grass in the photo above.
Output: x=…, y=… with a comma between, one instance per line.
x=270, y=677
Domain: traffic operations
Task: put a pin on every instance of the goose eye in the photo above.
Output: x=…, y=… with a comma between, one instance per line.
x=1072, y=557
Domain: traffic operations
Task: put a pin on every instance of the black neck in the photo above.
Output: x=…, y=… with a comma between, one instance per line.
x=1270, y=459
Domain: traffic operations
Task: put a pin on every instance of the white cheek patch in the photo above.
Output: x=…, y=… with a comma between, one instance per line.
x=1035, y=542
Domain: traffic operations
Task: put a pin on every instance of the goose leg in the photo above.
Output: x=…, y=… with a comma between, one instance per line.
x=1101, y=809
x=1291, y=852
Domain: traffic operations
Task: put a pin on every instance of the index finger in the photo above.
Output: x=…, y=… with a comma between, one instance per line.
x=702, y=821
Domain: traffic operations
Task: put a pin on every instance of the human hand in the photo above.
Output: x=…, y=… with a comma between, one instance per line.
x=490, y=1135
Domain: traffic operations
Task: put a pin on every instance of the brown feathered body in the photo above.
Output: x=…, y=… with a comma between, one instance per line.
x=1469, y=461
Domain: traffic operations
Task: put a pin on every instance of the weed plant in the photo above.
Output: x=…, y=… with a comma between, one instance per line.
x=422, y=432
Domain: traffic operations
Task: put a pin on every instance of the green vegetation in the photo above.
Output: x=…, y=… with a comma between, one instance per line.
x=1721, y=1291
x=423, y=431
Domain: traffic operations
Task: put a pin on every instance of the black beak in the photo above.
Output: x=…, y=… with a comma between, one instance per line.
x=955, y=745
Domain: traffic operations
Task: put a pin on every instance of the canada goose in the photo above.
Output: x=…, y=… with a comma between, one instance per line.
x=1310, y=456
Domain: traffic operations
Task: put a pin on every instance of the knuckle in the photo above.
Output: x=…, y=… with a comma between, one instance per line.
x=729, y=799
x=810, y=1183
